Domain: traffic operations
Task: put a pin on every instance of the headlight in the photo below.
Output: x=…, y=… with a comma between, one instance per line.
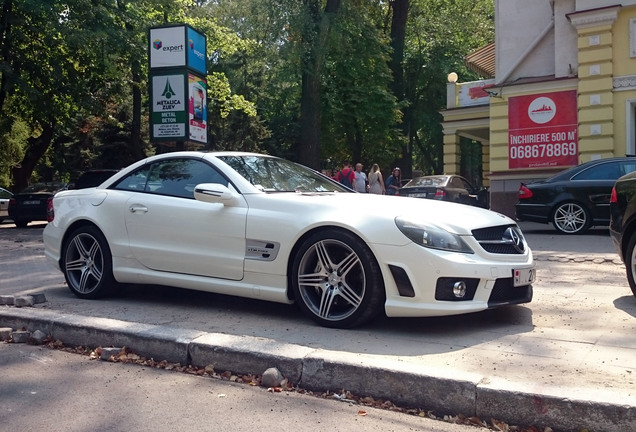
x=431, y=236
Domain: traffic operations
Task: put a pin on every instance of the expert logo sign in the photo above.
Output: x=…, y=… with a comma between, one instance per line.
x=167, y=47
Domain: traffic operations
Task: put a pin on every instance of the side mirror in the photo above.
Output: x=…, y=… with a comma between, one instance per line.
x=215, y=193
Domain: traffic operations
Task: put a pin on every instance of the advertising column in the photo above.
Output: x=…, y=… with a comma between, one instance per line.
x=542, y=130
x=178, y=84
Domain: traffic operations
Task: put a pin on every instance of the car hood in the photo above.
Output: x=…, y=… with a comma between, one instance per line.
x=456, y=218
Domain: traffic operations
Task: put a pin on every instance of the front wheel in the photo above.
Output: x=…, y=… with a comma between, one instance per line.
x=87, y=264
x=630, y=263
x=336, y=280
x=571, y=218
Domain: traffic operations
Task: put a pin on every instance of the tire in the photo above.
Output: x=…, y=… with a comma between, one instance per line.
x=571, y=218
x=630, y=262
x=336, y=280
x=87, y=264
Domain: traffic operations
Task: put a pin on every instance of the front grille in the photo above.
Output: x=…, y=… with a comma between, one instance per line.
x=503, y=239
x=504, y=292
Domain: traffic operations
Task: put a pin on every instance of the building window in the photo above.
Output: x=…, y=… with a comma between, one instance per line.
x=630, y=141
x=632, y=37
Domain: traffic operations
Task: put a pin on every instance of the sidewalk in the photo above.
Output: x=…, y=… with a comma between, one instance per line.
x=566, y=360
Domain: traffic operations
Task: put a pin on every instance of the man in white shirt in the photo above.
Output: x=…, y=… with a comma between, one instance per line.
x=361, y=183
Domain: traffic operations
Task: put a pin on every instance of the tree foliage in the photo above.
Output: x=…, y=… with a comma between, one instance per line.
x=317, y=81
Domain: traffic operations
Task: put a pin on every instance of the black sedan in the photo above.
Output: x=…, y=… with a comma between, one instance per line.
x=92, y=178
x=575, y=199
x=31, y=204
x=623, y=223
x=452, y=188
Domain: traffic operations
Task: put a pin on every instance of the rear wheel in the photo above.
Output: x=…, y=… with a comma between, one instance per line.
x=571, y=218
x=87, y=264
x=337, y=280
x=630, y=262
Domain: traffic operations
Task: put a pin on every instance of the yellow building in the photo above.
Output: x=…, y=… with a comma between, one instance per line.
x=562, y=92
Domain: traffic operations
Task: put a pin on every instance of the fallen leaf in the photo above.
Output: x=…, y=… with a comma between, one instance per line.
x=362, y=412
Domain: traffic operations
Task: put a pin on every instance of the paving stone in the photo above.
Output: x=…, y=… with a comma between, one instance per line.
x=20, y=336
x=23, y=301
x=5, y=333
x=6, y=299
x=108, y=352
x=38, y=298
x=37, y=337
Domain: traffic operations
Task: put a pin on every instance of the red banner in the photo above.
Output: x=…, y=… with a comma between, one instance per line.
x=543, y=130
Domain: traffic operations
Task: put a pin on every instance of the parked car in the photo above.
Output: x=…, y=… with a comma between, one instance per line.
x=5, y=196
x=575, y=199
x=31, y=204
x=92, y=178
x=623, y=224
x=262, y=227
x=452, y=188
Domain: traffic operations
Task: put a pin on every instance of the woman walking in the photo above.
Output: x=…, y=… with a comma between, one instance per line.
x=376, y=183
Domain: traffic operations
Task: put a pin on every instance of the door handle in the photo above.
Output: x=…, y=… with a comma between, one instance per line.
x=138, y=208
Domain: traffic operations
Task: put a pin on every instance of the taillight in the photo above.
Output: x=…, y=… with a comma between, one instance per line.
x=440, y=194
x=12, y=201
x=50, y=214
x=613, y=197
x=524, y=192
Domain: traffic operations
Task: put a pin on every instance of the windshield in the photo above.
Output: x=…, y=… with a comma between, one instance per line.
x=43, y=187
x=426, y=181
x=271, y=174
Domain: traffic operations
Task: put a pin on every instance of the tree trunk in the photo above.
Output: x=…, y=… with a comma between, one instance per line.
x=315, y=39
x=36, y=147
x=5, y=49
x=398, y=34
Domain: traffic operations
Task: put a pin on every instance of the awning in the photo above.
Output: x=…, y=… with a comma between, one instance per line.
x=482, y=61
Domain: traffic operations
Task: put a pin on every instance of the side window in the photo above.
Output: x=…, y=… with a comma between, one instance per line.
x=627, y=167
x=174, y=177
x=178, y=177
x=604, y=171
x=457, y=183
x=137, y=181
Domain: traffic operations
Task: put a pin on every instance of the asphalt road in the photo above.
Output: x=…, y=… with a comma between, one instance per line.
x=48, y=390
x=575, y=338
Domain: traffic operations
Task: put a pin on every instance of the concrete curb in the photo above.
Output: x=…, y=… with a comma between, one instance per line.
x=443, y=391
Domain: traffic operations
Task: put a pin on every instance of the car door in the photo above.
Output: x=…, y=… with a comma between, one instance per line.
x=461, y=193
x=593, y=187
x=170, y=231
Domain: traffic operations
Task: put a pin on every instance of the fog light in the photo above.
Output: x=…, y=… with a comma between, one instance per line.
x=459, y=289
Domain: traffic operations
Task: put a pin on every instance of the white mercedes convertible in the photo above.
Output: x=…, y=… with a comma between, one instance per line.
x=262, y=227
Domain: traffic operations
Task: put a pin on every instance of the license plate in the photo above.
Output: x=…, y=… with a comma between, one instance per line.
x=419, y=195
x=524, y=276
x=33, y=202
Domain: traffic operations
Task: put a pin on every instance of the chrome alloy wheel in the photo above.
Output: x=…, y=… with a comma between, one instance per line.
x=570, y=218
x=332, y=280
x=84, y=263
x=87, y=263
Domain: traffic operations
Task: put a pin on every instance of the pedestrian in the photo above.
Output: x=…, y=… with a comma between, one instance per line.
x=346, y=175
x=376, y=182
x=361, y=183
x=394, y=182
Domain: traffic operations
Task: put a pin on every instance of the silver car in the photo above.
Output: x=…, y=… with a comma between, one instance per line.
x=5, y=196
